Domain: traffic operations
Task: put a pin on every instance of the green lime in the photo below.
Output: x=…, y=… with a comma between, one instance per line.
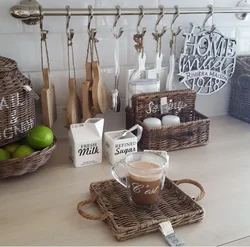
x=11, y=147
x=23, y=151
x=40, y=137
x=4, y=154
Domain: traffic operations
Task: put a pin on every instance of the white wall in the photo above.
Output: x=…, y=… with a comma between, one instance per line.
x=22, y=43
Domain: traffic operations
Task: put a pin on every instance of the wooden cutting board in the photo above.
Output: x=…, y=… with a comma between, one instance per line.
x=99, y=92
x=48, y=100
x=88, y=110
x=73, y=109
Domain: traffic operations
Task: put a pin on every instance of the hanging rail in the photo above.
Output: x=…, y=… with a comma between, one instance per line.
x=29, y=9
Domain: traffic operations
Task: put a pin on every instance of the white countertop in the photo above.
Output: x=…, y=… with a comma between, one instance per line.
x=40, y=208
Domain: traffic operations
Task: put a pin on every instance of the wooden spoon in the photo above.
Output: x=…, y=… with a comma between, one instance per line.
x=88, y=110
x=99, y=92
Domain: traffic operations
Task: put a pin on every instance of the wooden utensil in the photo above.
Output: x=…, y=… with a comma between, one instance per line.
x=99, y=92
x=48, y=100
x=73, y=108
x=88, y=110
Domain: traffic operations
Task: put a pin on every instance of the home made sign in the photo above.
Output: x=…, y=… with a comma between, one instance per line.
x=14, y=125
x=207, y=60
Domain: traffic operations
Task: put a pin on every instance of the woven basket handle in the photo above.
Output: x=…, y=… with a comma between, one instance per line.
x=190, y=181
x=85, y=215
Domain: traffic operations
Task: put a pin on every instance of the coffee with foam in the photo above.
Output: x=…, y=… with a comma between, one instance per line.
x=145, y=182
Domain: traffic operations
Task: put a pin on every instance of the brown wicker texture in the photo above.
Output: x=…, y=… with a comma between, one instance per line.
x=127, y=221
x=193, y=130
x=239, y=105
x=20, y=166
x=17, y=113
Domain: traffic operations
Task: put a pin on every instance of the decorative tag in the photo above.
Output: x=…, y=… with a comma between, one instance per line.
x=164, y=105
x=29, y=89
x=207, y=60
x=172, y=238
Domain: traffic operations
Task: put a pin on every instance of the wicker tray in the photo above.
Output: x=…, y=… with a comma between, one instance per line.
x=191, y=132
x=126, y=221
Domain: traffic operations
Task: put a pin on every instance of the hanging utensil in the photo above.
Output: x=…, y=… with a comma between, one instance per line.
x=139, y=72
x=99, y=92
x=159, y=72
x=73, y=109
x=48, y=99
x=114, y=96
x=170, y=78
x=87, y=100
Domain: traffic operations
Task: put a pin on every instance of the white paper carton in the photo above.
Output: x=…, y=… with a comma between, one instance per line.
x=116, y=149
x=85, y=141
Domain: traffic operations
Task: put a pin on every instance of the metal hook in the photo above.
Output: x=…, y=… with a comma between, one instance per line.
x=41, y=17
x=120, y=32
x=164, y=29
x=90, y=18
x=70, y=32
x=210, y=13
x=176, y=15
x=144, y=29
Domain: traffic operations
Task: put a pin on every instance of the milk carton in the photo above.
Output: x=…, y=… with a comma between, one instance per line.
x=85, y=141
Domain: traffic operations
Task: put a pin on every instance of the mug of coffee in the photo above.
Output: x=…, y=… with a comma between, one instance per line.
x=144, y=177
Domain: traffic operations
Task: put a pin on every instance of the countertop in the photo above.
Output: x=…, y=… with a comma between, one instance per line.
x=40, y=208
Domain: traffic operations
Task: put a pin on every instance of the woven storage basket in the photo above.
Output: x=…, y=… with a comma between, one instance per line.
x=126, y=221
x=239, y=105
x=193, y=130
x=17, y=106
x=20, y=166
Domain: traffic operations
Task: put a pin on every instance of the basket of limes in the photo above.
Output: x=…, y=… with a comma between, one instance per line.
x=28, y=154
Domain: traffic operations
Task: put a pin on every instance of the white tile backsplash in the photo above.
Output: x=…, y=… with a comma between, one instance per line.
x=22, y=43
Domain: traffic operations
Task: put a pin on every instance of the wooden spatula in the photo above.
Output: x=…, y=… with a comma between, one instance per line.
x=48, y=100
x=73, y=109
x=99, y=92
x=88, y=110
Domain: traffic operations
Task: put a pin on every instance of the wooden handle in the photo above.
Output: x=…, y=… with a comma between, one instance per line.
x=46, y=81
x=85, y=215
x=95, y=86
x=88, y=67
x=72, y=85
x=190, y=181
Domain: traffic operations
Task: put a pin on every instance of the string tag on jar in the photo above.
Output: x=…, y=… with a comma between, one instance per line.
x=164, y=105
x=27, y=88
x=172, y=237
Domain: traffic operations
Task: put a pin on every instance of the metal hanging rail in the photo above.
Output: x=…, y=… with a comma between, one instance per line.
x=31, y=10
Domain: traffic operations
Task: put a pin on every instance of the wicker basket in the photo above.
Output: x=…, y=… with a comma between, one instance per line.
x=126, y=221
x=20, y=166
x=239, y=106
x=193, y=130
x=17, y=106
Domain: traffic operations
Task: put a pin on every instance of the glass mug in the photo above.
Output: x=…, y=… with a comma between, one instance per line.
x=145, y=177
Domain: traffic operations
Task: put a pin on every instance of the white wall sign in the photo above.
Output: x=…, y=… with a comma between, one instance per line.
x=207, y=60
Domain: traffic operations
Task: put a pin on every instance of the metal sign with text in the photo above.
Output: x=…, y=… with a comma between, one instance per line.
x=207, y=60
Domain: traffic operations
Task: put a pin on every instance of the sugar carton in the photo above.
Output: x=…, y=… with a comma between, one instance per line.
x=117, y=149
x=85, y=141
